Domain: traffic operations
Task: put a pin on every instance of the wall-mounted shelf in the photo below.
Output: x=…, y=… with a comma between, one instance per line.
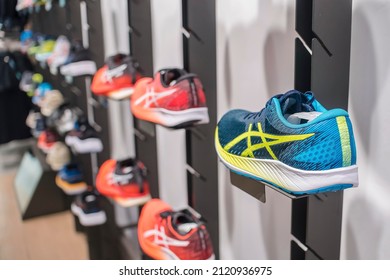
x=257, y=189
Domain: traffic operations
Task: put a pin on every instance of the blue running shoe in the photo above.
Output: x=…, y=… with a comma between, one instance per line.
x=40, y=93
x=71, y=174
x=294, y=144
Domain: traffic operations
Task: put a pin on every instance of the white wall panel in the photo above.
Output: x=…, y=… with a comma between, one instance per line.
x=171, y=145
x=255, y=60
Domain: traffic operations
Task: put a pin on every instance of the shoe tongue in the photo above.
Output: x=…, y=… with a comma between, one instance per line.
x=294, y=102
x=115, y=61
x=170, y=76
x=186, y=228
x=183, y=223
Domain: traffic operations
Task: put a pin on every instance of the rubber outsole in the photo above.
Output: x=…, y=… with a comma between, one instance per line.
x=79, y=68
x=305, y=181
x=172, y=119
x=87, y=220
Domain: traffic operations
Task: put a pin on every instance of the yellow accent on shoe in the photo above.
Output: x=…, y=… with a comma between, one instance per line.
x=277, y=139
x=345, y=140
x=247, y=164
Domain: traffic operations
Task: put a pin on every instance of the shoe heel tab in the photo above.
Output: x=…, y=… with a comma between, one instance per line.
x=334, y=113
x=189, y=77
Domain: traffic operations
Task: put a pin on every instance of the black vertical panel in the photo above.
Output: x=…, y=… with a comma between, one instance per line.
x=200, y=58
x=96, y=40
x=77, y=89
x=141, y=35
x=299, y=218
x=296, y=252
x=330, y=21
x=302, y=82
x=74, y=17
x=140, y=21
x=303, y=20
x=302, y=67
x=331, y=51
x=96, y=46
x=324, y=222
x=312, y=256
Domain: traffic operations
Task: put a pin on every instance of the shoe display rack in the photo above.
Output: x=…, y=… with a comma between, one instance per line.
x=34, y=188
x=81, y=20
x=322, y=55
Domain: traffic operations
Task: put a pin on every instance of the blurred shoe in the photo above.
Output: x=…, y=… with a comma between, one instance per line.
x=174, y=98
x=87, y=208
x=45, y=50
x=124, y=181
x=165, y=234
x=48, y=5
x=51, y=102
x=29, y=82
x=40, y=93
x=84, y=140
x=63, y=119
x=46, y=140
x=36, y=122
x=40, y=126
x=32, y=117
x=26, y=82
x=117, y=78
x=58, y=156
x=26, y=40
x=70, y=180
x=23, y=4
x=60, y=54
x=79, y=62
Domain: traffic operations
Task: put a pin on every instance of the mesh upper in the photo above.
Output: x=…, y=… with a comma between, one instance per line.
x=322, y=151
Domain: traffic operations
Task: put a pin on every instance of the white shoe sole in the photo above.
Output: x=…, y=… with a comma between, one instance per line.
x=121, y=93
x=65, y=127
x=130, y=202
x=69, y=140
x=79, y=68
x=173, y=119
x=89, y=220
x=169, y=255
x=42, y=57
x=89, y=145
x=292, y=180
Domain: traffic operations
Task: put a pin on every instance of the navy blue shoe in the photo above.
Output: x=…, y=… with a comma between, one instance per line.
x=87, y=208
x=294, y=143
x=71, y=174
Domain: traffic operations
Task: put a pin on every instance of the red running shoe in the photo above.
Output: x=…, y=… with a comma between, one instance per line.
x=124, y=181
x=165, y=234
x=46, y=140
x=174, y=98
x=116, y=79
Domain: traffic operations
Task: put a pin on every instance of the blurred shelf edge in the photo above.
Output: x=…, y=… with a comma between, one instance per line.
x=257, y=189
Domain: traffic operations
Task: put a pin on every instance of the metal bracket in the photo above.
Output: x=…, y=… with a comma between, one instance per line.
x=257, y=189
x=84, y=24
x=139, y=134
x=186, y=33
x=195, y=173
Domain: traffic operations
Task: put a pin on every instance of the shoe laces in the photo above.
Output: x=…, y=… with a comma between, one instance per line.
x=307, y=104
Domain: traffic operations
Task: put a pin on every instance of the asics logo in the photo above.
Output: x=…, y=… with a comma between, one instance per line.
x=151, y=96
x=114, y=179
x=116, y=72
x=267, y=141
x=160, y=238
